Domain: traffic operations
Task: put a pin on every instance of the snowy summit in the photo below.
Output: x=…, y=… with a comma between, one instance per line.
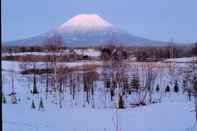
x=85, y=21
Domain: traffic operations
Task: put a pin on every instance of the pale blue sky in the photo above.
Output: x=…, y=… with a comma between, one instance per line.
x=152, y=19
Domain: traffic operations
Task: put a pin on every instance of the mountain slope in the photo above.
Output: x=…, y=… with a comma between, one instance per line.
x=87, y=30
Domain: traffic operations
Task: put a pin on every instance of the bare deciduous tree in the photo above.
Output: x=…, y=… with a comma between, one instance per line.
x=55, y=49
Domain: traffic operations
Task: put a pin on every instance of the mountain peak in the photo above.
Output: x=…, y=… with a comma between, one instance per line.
x=85, y=21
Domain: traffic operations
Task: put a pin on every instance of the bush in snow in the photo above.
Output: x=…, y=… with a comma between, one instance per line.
x=13, y=99
x=28, y=98
x=167, y=88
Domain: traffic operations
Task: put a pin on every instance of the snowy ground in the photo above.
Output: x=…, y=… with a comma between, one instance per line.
x=16, y=66
x=174, y=113
x=88, y=52
x=169, y=116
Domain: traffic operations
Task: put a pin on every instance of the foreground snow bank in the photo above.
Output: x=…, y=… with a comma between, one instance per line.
x=168, y=116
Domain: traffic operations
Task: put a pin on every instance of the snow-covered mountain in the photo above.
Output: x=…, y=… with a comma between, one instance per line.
x=88, y=30
x=85, y=22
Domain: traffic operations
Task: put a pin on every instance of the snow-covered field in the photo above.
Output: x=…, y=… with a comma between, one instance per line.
x=174, y=113
x=181, y=60
x=88, y=52
x=16, y=66
x=168, y=116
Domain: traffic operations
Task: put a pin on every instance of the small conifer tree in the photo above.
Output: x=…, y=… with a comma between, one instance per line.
x=157, y=88
x=112, y=94
x=4, y=99
x=120, y=102
x=176, y=87
x=41, y=105
x=34, y=91
x=33, y=106
x=167, y=88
